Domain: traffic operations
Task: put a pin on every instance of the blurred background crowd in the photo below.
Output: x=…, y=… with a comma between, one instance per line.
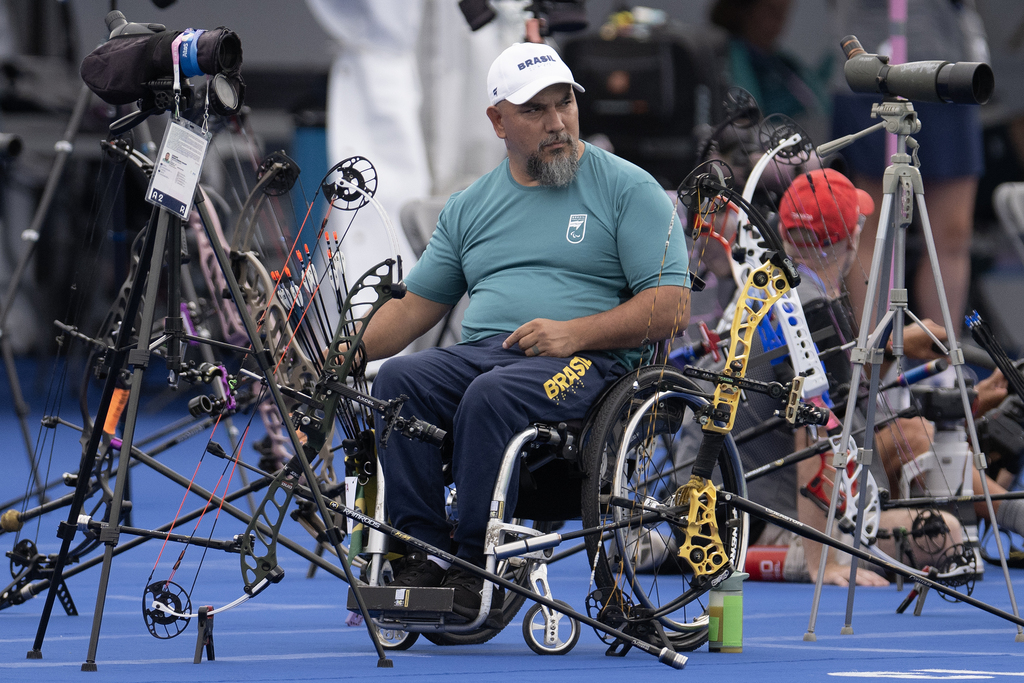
x=399, y=82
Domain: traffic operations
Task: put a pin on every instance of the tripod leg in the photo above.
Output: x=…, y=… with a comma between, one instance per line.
x=66, y=530
x=890, y=309
x=957, y=358
x=167, y=235
x=864, y=457
x=881, y=252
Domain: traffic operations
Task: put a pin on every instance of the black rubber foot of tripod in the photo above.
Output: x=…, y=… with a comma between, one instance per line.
x=89, y=666
x=385, y=663
x=34, y=654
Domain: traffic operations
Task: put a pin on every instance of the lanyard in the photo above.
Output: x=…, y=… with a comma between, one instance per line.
x=183, y=37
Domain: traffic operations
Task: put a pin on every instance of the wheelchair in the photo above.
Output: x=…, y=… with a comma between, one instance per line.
x=634, y=448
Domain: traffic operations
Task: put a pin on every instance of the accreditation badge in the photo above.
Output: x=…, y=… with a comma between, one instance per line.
x=178, y=166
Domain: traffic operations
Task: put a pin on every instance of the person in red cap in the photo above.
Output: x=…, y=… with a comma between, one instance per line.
x=820, y=219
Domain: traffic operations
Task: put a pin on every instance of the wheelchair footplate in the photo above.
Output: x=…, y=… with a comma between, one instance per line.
x=395, y=602
x=418, y=605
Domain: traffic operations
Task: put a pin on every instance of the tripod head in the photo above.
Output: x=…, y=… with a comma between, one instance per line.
x=159, y=98
x=898, y=117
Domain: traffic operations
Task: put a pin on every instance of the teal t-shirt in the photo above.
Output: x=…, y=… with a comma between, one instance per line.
x=557, y=253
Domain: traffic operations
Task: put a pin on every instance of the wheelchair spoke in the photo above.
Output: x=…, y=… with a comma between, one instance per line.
x=642, y=445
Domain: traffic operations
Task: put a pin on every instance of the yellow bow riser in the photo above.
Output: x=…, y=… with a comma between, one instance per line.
x=764, y=286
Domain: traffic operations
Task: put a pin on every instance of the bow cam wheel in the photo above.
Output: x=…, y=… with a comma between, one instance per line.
x=284, y=180
x=350, y=184
x=694, y=195
x=741, y=108
x=161, y=624
x=775, y=130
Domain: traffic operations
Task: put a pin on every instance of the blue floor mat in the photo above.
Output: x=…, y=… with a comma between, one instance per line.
x=296, y=630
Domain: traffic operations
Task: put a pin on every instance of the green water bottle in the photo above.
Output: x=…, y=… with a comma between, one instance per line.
x=725, y=615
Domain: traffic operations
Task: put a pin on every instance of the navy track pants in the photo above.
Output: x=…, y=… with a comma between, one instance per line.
x=482, y=395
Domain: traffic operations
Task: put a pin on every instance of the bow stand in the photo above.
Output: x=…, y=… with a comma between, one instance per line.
x=134, y=350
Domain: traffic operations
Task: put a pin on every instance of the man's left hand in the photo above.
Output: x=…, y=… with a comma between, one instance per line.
x=542, y=337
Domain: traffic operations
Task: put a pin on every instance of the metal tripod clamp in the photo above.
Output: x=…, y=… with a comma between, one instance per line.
x=898, y=116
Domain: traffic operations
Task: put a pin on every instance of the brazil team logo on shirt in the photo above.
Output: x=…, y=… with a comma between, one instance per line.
x=577, y=228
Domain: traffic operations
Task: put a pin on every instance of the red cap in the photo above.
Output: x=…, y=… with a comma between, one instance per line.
x=825, y=202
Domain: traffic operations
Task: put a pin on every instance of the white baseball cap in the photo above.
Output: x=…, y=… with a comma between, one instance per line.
x=523, y=70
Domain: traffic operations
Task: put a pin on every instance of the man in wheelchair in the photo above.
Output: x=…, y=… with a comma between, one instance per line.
x=572, y=263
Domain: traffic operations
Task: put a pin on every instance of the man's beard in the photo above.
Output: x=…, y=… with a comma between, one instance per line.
x=561, y=170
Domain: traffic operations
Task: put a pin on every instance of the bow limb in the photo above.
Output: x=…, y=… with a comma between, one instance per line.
x=230, y=322
x=259, y=551
x=277, y=174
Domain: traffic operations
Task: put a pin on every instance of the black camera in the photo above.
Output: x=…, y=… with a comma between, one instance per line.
x=929, y=81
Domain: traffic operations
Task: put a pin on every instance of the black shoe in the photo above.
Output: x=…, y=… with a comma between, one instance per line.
x=419, y=572
x=468, y=587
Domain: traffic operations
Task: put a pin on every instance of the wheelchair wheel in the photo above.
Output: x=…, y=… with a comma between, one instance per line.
x=564, y=636
x=641, y=445
x=394, y=639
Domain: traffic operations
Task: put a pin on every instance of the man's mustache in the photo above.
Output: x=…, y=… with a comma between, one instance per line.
x=555, y=138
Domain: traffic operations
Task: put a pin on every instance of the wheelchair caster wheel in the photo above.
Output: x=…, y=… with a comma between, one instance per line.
x=554, y=636
x=394, y=639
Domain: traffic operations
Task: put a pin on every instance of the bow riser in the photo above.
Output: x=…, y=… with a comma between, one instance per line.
x=230, y=322
x=773, y=286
